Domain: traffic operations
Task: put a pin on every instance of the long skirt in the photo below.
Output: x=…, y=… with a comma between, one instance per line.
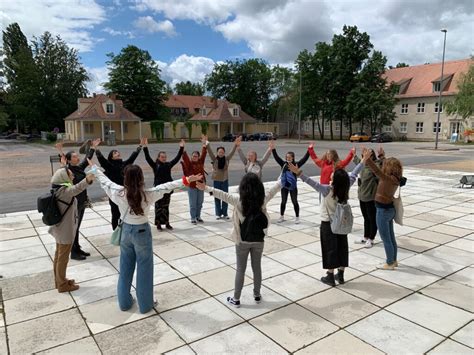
x=334, y=247
x=162, y=210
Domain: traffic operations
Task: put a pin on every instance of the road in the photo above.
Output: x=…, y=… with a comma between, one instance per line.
x=25, y=169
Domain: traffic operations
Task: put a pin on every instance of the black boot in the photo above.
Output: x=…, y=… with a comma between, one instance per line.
x=329, y=279
x=76, y=255
x=82, y=252
x=340, y=276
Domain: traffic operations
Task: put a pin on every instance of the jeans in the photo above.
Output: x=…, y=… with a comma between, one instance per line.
x=294, y=200
x=242, y=251
x=221, y=206
x=196, y=198
x=370, y=223
x=136, y=248
x=384, y=219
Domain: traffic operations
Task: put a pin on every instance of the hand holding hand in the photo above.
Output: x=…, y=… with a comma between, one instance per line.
x=366, y=154
x=200, y=185
x=271, y=144
x=96, y=142
x=63, y=160
x=144, y=141
x=238, y=140
x=90, y=178
x=59, y=146
x=204, y=139
x=380, y=151
x=182, y=143
x=353, y=150
x=192, y=178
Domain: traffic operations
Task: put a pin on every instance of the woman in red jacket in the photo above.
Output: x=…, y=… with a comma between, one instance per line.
x=329, y=162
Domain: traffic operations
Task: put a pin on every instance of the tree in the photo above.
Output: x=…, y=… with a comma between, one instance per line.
x=399, y=65
x=189, y=88
x=284, y=105
x=135, y=77
x=463, y=103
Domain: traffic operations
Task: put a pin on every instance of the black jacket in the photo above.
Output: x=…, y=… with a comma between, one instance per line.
x=114, y=167
x=161, y=170
x=283, y=163
x=79, y=175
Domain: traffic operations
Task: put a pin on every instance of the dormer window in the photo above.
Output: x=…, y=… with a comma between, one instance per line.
x=204, y=111
x=235, y=112
x=109, y=108
x=437, y=86
x=440, y=84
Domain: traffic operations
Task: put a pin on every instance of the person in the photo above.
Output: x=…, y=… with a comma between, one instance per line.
x=366, y=193
x=252, y=165
x=250, y=225
x=195, y=166
x=329, y=162
x=220, y=175
x=290, y=158
x=65, y=231
x=162, y=171
x=390, y=176
x=77, y=167
x=334, y=247
x=113, y=169
x=136, y=247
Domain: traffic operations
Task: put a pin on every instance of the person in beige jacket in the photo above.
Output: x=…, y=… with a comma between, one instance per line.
x=65, y=231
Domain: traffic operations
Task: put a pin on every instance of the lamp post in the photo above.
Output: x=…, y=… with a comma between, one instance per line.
x=440, y=90
x=299, y=113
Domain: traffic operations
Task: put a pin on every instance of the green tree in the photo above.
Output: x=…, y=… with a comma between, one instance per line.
x=189, y=88
x=463, y=103
x=399, y=65
x=135, y=77
x=284, y=105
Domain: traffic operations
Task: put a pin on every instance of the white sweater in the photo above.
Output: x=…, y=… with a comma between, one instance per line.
x=117, y=194
x=238, y=217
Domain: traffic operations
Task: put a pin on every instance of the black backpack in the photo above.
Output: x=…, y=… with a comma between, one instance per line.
x=48, y=206
x=253, y=226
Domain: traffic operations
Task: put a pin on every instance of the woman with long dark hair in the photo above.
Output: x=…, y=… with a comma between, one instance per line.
x=251, y=222
x=134, y=202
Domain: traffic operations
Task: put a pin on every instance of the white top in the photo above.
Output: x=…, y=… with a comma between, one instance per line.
x=117, y=194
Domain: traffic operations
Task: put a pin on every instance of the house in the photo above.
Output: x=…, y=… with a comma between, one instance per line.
x=417, y=100
x=98, y=115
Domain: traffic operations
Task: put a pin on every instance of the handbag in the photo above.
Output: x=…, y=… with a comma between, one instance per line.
x=117, y=233
x=398, y=204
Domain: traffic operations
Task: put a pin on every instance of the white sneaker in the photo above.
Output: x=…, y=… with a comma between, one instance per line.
x=369, y=244
x=281, y=219
x=297, y=220
x=361, y=241
x=218, y=217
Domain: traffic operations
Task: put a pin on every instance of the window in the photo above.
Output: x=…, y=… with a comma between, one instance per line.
x=419, y=127
x=235, y=111
x=387, y=128
x=337, y=126
x=89, y=128
x=421, y=107
x=203, y=111
x=436, y=124
x=403, y=127
x=326, y=126
x=404, y=109
x=437, y=86
x=436, y=107
x=109, y=108
x=125, y=127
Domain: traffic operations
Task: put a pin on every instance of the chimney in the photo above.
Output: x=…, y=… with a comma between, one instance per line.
x=113, y=96
x=94, y=94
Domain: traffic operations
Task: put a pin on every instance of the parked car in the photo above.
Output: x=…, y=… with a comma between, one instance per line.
x=360, y=137
x=245, y=137
x=271, y=135
x=229, y=137
x=381, y=137
x=259, y=137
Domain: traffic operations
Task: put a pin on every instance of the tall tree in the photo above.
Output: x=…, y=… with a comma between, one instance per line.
x=285, y=95
x=189, y=88
x=463, y=103
x=135, y=77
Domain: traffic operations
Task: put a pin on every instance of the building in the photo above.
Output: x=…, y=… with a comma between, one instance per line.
x=417, y=107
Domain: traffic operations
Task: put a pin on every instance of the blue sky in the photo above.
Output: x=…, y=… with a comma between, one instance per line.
x=187, y=37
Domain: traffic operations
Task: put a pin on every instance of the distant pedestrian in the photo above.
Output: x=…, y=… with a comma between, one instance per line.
x=251, y=163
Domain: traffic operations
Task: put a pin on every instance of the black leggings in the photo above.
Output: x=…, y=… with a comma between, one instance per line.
x=370, y=225
x=294, y=200
x=80, y=216
x=115, y=214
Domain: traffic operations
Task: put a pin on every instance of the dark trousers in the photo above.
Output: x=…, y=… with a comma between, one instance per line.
x=294, y=200
x=80, y=216
x=115, y=214
x=334, y=247
x=162, y=210
x=370, y=224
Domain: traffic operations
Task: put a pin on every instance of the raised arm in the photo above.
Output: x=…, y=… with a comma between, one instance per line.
x=102, y=160
x=210, y=152
x=314, y=157
x=83, y=164
x=242, y=156
x=148, y=158
x=232, y=152
x=76, y=189
x=178, y=156
x=111, y=188
x=272, y=191
x=266, y=156
x=324, y=189
x=348, y=159
x=354, y=173
x=376, y=170
x=202, y=157
x=303, y=160
x=133, y=156
x=277, y=158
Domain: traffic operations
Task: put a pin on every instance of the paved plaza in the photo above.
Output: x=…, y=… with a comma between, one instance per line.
x=426, y=305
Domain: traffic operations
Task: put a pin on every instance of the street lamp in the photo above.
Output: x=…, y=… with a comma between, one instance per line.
x=440, y=89
x=299, y=113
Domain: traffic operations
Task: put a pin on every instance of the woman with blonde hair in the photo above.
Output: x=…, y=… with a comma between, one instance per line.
x=329, y=162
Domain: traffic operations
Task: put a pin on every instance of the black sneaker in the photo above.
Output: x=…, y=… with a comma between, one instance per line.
x=168, y=226
x=257, y=299
x=82, y=252
x=77, y=256
x=231, y=301
x=199, y=219
x=329, y=279
x=340, y=277
x=193, y=221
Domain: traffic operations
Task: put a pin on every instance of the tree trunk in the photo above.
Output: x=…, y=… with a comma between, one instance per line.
x=340, y=131
x=313, y=119
x=350, y=126
x=330, y=125
x=321, y=123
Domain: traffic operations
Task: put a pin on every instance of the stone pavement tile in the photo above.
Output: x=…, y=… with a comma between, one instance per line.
x=432, y=236
x=95, y=290
x=273, y=245
x=101, y=229
x=83, y=346
x=27, y=253
x=433, y=217
x=91, y=270
x=196, y=264
x=447, y=213
x=26, y=285
x=177, y=293
x=226, y=255
x=452, y=293
x=338, y=307
x=147, y=336
x=431, y=264
x=100, y=240
x=450, y=347
x=3, y=341
x=46, y=332
x=16, y=223
x=211, y=243
x=248, y=308
x=270, y=268
x=200, y=319
x=432, y=314
x=460, y=208
x=276, y=229
x=295, y=257
x=109, y=250
x=237, y=340
x=304, y=224
x=470, y=236
x=293, y=327
x=26, y=267
x=176, y=251
x=466, y=222
x=431, y=204
x=218, y=280
x=414, y=244
x=418, y=223
x=162, y=272
x=375, y=290
x=402, y=230
x=314, y=248
x=36, y=305
x=463, y=244
x=407, y=277
x=19, y=243
x=465, y=277
x=106, y=314
x=364, y=262
x=9, y=234
x=341, y=343
x=393, y=334
x=464, y=335
x=163, y=238
x=295, y=238
x=184, y=350
x=93, y=223
x=455, y=255
x=317, y=271
x=454, y=231
x=294, y=285
x=193, y=234
x=379, y=251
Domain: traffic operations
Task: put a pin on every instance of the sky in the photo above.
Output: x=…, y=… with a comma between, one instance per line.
x=188, y=37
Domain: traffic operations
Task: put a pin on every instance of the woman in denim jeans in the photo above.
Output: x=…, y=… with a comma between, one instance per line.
x=134, y=202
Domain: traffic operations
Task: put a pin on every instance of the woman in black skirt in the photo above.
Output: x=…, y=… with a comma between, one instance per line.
x=334, y=247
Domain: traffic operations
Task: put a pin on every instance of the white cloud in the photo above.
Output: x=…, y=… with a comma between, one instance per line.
x=147, y=23
x=186, y=68
x=98, y=76
x=114, y=33
x=73, y=20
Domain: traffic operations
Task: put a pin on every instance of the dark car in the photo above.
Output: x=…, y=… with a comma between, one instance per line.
x=260, y=137
x=381, y=138
x=229, y=137
x=245, y=137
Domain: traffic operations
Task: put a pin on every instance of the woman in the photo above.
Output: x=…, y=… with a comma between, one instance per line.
x=252, y=165
x=195, y=166
x=290, y=158
x=65, y=231
x=334, y=247
x=162, y=170
x=251, y=222
x=329, y=162
x=136, y=248
x=113, y=169
x=220, y=175
x=389, y=180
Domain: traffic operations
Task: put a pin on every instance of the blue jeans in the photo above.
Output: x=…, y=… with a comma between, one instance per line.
x=384, y=218
x=196, y=198
x=221, y=206
x=136, y=248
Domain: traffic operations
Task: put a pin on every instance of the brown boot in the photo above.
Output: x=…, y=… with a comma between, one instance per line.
x=69, y=287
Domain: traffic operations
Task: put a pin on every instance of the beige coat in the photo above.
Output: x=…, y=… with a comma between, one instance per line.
x=220, y=174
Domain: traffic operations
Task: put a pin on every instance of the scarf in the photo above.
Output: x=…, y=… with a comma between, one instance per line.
x=221, y=162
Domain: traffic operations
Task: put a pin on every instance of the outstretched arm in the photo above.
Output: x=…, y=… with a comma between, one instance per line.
x=210, y=152
x=354, y=173
x=231, y=154
x=272, y=192
x=314, y=157
x=324, y=189
x=266, y=156
x=242, y=156
x=232, y=199
x=277, y=158
x=102, y=160
x=148, y=158
x=178, y=156
x=133, y=156
x=303, y=160
x=348, y=159
x=158, y=191
x=111, y=188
